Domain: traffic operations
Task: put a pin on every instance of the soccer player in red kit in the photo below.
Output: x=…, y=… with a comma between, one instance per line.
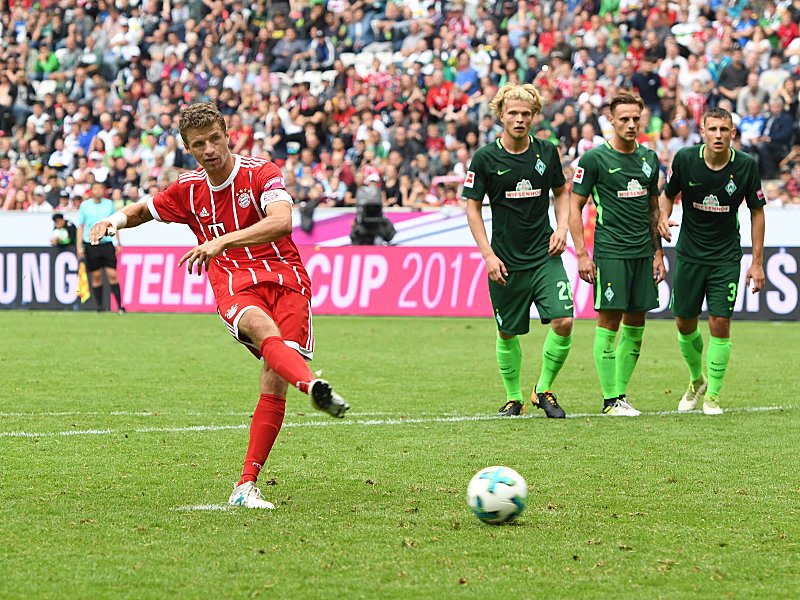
x=241, y=213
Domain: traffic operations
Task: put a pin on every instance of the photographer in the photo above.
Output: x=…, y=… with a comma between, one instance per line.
x=64, y=233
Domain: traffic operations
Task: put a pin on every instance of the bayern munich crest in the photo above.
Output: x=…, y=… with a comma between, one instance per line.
x=244, y=199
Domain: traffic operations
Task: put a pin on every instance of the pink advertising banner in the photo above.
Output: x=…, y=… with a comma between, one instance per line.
x=351, y=280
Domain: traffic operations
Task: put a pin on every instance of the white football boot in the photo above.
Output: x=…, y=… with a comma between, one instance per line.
x=249, y=496
x=693, y=394
x=711, y=405
x=621, y=408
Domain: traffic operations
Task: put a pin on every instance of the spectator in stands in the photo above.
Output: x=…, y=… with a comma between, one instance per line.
x=285, y=50
x=112, y=62
x=38, y=201
x=733, y=77
x=318, y=56
x=648, y=83
x=685, y=137
x=771, y=80
x=752, y=91
x=776, y=138
x=588, y=140
x=46, y=63
x=466, y=76
x=751, y=126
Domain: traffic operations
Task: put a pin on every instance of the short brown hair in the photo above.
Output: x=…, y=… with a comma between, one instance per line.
x=199, y=116
x=626, y=98
x=717, y=113
x=526, y=92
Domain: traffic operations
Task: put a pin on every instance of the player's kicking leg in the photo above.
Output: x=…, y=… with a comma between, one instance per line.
x=284, y=364
x=284, y=343
x=292, y=367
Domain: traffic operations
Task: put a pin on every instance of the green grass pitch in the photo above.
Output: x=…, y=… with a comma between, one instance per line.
x=113, y=428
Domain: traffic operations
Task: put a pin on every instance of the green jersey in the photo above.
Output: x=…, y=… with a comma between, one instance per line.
x=711, y=199
x=621, y=186
x=518, y=186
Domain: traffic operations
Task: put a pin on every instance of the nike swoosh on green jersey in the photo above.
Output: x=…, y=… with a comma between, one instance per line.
x=499, y=172
x=695, y=183
x=568, y=306
x=615, y=170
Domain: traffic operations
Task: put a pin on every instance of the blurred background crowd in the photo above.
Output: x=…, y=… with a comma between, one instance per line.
x=352, y=95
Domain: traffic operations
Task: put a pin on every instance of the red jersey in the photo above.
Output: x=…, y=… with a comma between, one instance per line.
x=439, y=97
x=211, y=211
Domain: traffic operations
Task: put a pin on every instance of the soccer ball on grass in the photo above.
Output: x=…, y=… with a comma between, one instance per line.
x=497, y=494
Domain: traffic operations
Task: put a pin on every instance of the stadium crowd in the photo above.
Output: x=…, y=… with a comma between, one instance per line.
x=345, y=94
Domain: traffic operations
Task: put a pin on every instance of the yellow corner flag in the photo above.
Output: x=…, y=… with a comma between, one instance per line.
x=84, y=293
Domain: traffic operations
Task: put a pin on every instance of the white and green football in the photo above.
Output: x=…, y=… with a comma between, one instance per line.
x=497, y=494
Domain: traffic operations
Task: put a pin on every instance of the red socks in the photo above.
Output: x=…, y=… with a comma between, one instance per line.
x=286, y=362
x=264, y=429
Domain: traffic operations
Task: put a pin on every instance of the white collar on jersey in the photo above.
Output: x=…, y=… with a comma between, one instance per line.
x=237, y=161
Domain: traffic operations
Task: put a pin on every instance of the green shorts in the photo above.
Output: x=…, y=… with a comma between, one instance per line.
x=546, y=285
x=625, y=284
x=692, y=282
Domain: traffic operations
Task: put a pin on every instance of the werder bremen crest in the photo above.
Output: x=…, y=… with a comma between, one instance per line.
x=646, y=169
x=730, y=188
x=540, y=166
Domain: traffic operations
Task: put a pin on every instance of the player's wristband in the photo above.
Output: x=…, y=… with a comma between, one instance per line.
x=117, y=221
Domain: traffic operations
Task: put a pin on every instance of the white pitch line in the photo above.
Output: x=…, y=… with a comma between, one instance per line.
x=351, y=422
x=156, y=413
x=204, y=507
x=26, y=434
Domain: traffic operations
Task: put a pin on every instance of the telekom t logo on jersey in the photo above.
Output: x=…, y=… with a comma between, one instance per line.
x=217, y=229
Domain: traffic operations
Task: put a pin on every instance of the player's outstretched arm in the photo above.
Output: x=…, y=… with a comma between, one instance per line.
x=494, y=266
x=756, y=271
x=586, y=266
x=558, y=241
x=130, y=216
x=276, y=224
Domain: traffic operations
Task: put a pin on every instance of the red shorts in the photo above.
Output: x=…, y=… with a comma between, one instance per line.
x=290, y=310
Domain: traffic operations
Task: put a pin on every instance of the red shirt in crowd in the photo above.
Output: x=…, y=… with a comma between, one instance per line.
x=786, y=33
x=245, y=131
x=439, y=97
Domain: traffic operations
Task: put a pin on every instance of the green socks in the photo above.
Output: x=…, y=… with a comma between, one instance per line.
x=692, y=350
x=628, y=349
x=605, y=360
x=719, y=351
x=554, y=353
x=509, y=360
